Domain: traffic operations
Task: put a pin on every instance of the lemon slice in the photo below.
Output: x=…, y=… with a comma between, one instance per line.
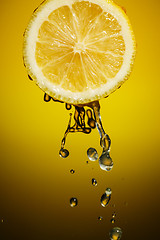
x=79, y=51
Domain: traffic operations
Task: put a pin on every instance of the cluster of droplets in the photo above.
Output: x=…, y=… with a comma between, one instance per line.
x=105, y=160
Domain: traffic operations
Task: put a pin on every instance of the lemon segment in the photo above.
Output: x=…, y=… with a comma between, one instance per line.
x=79, y=51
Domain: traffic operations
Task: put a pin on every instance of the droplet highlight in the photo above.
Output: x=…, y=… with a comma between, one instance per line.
x=115, y=233
x=73, y=202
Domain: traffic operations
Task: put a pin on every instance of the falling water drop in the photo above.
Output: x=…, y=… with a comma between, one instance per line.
x=106, y=197
x=94, y=182
x=63, y=153
x=72, y=171
x=115, y=233
x=100, y=218
x=112, y=220
x=73, y=202
x=92, y=154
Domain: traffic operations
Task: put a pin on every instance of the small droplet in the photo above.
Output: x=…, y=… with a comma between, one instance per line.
x=2, y=220
x=73, y=202
x=115, y=233
x=63, y=153
x=114, y=215
x=47, y=98
x=106, y=197
x=72, y=171
x=105, y=161
x=92, y=154
x=112, y=220
x=68, y=106
x=100, y=218
x=94, y=182
x=87, y=162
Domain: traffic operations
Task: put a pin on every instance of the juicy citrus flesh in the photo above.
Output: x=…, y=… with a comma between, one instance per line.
x=79, y=50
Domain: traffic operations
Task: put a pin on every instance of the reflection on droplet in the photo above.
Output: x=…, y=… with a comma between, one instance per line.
x=105, y=161
x=115, y=233
x=92, y=154
x=100, y=218
x=94, y=182
x=63, y=153
x=106, y=197
x=72, y=171
x=73, y=202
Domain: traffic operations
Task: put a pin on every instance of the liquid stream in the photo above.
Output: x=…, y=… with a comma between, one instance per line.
x=92, y=114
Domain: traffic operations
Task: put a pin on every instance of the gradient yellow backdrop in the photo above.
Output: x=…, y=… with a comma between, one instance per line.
x=35, y=183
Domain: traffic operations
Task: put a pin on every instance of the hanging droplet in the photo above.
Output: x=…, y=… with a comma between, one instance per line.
x=73, y=202
x=112, y=220
x=68, y=106
x=63, y=153
x=100, y=218
x=106, y=197
x=115, y=233
x=105, y=161
x=72, y=171
x=94, y=182
x=92, y=154
x=47, y=98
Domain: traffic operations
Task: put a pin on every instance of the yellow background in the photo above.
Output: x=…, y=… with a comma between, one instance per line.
x=35, y=183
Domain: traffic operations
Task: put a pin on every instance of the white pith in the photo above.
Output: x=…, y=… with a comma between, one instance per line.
x=57, y=91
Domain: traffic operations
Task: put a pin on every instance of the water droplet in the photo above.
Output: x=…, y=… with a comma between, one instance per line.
x=72, y=171
x=87, y=162
x=92, y=154
x=73, y=202
x=114, y=215
x=115, y=233
x=68, y=106
x=105, y=161
x=106, y=197
x=94, y=182
x=47, y=98
x=100, y=218
x=112, y=220
x=63, y=153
